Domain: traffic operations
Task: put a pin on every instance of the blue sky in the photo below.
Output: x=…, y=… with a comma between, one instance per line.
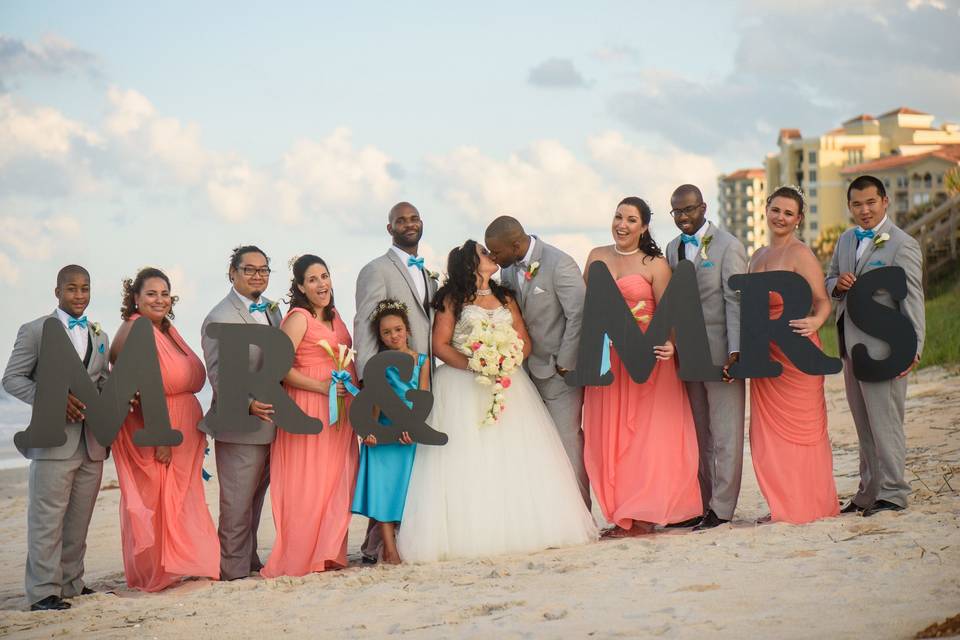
x=166, y=133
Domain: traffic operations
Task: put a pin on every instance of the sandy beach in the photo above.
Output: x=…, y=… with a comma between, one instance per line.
x=888, y=576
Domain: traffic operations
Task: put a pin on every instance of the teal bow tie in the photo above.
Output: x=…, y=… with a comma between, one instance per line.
x=77, y=322
x=861, y=234
x=414, y=261
x=685, y=239
x=262, y=307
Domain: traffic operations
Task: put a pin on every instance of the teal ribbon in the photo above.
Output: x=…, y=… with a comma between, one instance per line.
x=605, y=355
x=863, y=233
x=415, y=261
x=262, y=307
x=335, y=377
x=685, y=239
x=77, y=322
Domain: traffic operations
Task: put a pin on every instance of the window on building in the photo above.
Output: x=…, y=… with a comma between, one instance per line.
x=886, y=183
x=812, y=157
x=915, y=179
x=920, y=198
x=813, y=225
x=939, y=179
x=902, y=182
x=854, y=156
x=813, y=192
x=927, y=180
x=813, y=175
x=813, y=208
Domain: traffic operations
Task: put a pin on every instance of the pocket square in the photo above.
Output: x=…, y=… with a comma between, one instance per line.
x=537, y=290
x=707, y=264
x=876, y=263
x=100, y=349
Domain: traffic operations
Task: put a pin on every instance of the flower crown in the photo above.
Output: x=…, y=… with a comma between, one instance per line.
x=389, y=305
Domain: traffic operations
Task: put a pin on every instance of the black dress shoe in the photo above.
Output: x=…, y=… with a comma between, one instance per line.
x=710, y=521
x=87, y=591
x=368, y=560
x=852, y=507
x=50, y=603
x=692, y=522
x=881, y=505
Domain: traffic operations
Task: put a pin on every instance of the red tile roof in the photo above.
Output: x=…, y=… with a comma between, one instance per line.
x=949, y=152
x=742, y=174
x=860, y=118
x=906, y=111
x=788, y=134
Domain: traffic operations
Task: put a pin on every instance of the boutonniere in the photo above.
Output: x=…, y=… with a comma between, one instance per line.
x=637, y=308
x=703, y=246
x=531, y=270
x=95, y=327
x=273, y=307
x=880, y=239
x=433, y=275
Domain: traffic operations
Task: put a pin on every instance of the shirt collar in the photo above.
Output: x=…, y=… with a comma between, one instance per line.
x=876, y=229
x=403, y=255
x=65, y=317
x=529, y=255
x=702, y=230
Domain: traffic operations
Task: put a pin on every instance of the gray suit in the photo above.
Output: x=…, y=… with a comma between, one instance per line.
x=718, y=407
x=552, y=307
x=382, y=278
x=877, y=407
x=64, y=481
x=243, y=459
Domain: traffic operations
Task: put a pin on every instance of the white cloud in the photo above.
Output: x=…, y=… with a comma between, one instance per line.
x=31, y=239
x=556, y=73
x=51, y=55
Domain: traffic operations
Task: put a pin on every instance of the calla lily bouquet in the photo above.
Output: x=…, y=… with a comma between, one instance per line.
x=342, y=358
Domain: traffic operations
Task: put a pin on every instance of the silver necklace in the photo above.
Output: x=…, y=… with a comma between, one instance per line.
x=484, y=292
x=626, y=253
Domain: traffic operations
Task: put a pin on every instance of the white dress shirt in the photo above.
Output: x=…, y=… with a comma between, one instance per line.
x=416, y=274
x=259, y=316
x=527, y=258
x=79, y=336
x=689, y=249
x=864, y=243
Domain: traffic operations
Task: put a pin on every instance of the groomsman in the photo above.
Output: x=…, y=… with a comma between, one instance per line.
x=63, y=481
x=399, y=274
x=243, y=458
x=877, y=407
x=550, y=291
x=718, y=407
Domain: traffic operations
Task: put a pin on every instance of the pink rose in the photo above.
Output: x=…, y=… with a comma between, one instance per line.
x=505, y=381
x=475, y=346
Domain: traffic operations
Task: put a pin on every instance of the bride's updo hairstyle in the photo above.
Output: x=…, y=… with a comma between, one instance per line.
x=461, y=285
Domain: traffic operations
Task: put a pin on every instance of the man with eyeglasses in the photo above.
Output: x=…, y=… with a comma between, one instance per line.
x=243, y=458
x=718, y=407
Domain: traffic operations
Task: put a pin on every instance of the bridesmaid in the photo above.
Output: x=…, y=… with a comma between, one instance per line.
x=385, y=467
x=312, y=476
x=640, y=443
x=165, y=528
x=788, y=414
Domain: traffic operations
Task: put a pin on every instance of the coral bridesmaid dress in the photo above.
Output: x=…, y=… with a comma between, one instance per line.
x=640, y=442
x=312, y=476
x=788, y=440
x=165, y=527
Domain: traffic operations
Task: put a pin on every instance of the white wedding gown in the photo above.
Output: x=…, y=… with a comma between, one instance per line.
x=492, y=489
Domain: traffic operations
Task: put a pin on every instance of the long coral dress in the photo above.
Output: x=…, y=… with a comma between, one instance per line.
x=312, y=476
x=640, y=442
x=165, y=527
x=788, y=440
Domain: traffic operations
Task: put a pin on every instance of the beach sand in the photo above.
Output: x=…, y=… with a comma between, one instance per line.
x=888, y=576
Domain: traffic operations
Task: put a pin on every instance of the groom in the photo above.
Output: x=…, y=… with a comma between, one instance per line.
x=877, y=407
x=718, y=407
x=401, y=275
x=550, y=290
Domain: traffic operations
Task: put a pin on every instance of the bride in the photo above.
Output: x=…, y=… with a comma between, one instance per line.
x=492, y=489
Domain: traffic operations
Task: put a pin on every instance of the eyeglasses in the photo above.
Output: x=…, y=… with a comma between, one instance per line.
x=249, y=271
x=676, y=213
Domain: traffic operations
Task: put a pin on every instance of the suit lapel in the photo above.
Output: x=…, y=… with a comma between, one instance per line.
x=242, y=309
x=698, y=258
x=402, y=268
x=534, y=257
x=862, y=260
x=273, y=317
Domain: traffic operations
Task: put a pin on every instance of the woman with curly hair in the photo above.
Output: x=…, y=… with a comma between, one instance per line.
x=165, y=527
x=505, y=487
x=312, y=475
x=385, y=466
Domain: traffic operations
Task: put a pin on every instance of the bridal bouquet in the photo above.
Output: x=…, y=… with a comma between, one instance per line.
x=342, y=358
x=494, y=351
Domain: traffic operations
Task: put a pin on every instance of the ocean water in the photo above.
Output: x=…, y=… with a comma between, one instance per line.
x=15, y=416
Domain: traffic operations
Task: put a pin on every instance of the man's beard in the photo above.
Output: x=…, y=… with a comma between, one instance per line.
x=401, y=241
x=255, y=294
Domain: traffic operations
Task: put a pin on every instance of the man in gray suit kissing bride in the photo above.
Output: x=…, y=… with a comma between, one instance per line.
x=550, y=291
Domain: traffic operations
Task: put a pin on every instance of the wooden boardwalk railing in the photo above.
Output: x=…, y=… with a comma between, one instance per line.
x=938, y=233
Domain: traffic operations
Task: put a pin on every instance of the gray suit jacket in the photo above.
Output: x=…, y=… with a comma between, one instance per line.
x=388, y=277
x=552, y=307
x=900, y=250
x=721, y=304
x=231, y=309
x=19, y=381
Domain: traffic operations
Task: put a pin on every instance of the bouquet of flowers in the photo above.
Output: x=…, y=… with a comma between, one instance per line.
x=494, y=351
x=341, y=360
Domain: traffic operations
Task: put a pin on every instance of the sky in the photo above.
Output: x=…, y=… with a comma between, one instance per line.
x=165, y=134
